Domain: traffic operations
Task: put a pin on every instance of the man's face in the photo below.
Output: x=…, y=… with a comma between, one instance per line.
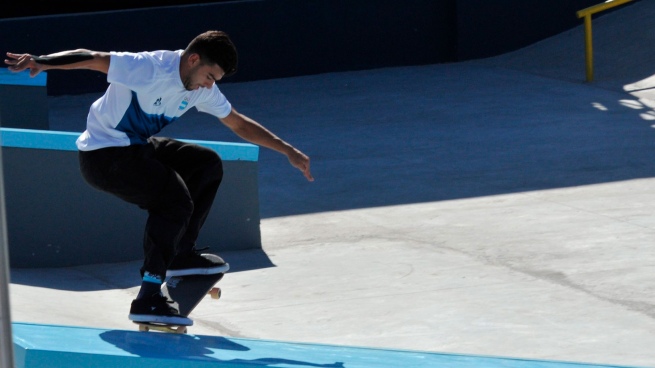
x=201, y=75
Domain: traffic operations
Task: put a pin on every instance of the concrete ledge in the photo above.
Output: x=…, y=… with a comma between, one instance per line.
x=65, y=141
x=47, y=346
x=23, y=100
x=55, y=219
x=8, y=77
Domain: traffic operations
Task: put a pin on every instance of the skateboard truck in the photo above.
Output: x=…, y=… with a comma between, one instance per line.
x=145, y=327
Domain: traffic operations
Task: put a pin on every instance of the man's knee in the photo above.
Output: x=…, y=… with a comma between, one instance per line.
x=173, y=199
x=215, y=167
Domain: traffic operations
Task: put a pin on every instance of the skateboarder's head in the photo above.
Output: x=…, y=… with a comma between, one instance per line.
x=215, y=47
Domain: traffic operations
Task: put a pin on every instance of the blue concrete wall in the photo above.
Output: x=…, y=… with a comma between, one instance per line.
x=275, y=38
x=46, y=346
x=298, y=37
x=487, y=28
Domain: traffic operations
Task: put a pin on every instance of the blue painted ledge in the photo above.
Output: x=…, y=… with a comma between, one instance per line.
x=47, y=346
x=22, y=79
x=65, y=141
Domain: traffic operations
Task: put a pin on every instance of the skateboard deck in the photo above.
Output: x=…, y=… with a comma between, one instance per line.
x=187, y=292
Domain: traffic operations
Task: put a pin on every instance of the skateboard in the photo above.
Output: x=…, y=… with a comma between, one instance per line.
x=187, y=292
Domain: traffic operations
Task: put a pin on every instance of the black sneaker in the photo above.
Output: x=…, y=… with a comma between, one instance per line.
x=157, y=309
x=197, y=264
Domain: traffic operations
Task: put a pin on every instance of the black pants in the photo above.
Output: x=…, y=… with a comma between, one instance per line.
x=175, y=182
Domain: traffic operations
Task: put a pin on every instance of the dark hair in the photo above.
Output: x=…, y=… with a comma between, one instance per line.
x=217, y=48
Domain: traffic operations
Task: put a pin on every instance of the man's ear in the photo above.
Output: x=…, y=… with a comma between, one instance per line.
x=193, y=59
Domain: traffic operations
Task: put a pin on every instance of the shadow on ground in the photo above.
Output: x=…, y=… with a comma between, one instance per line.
x=119, y=275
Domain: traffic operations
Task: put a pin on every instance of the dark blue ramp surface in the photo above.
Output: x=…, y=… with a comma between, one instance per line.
x=47, y=346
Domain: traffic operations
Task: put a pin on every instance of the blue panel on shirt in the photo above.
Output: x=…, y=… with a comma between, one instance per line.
x=139, y=125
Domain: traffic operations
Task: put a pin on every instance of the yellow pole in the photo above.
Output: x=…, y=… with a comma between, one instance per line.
x=586, y=14
x=601, y=7
x=589, y=49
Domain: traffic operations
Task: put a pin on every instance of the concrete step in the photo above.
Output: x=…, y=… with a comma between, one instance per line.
x=46, y=346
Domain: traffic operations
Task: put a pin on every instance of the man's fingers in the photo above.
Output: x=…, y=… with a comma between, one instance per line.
x=12, y=59
x=20, y=62
x=301, y=162
x=308, y=174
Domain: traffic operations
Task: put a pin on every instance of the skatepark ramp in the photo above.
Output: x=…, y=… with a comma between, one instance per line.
x=48, y=346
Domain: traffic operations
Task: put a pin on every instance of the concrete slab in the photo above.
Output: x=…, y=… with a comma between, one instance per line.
x=486, y=208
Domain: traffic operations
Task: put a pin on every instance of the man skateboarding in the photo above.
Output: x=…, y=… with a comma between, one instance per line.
x=175, y=182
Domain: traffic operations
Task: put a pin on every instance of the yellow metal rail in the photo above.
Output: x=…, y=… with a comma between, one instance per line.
x=586, y=14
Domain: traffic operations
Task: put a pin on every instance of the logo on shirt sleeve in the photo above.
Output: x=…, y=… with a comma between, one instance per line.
x=158, y=102
x=184, y=104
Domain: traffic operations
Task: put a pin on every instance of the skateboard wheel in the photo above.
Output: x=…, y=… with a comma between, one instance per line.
x=143, y=328
x=215, y=293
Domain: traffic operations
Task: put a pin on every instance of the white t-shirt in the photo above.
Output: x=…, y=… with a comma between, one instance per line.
x=145, y=94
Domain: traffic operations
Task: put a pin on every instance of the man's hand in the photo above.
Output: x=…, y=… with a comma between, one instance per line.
x=300, y=161
x=20, y=62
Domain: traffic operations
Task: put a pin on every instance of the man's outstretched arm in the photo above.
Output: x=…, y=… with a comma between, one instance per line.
x=253, y=132
x=73, y=59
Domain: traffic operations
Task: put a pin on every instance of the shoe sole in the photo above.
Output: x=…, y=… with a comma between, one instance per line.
x=199, y=271
x=167, y=320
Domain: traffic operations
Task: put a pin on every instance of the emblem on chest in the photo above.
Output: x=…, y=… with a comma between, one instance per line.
x=184, y=104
